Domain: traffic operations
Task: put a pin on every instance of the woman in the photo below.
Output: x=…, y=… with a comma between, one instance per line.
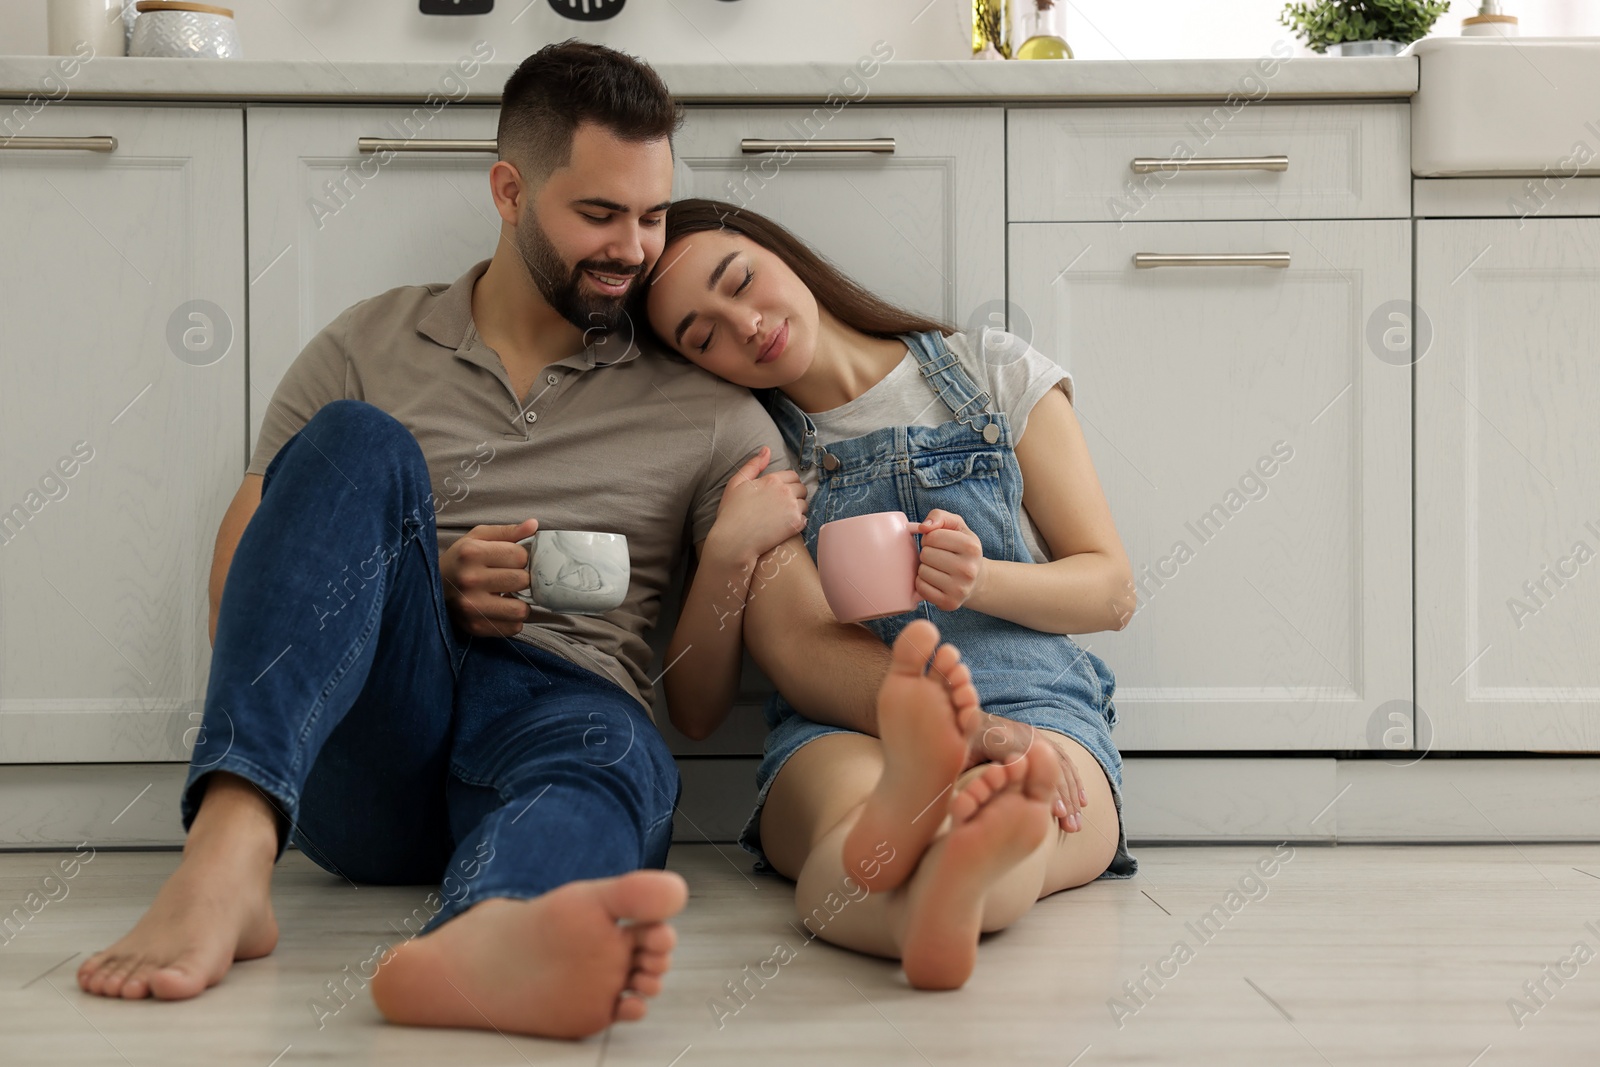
x=973, y=436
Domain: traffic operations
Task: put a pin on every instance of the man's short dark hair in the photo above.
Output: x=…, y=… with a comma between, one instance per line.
x=572, y=82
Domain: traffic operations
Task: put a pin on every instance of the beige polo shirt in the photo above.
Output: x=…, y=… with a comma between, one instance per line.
x=630, y=442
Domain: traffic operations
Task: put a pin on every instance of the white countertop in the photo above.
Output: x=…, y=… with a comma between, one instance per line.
x=124, y=78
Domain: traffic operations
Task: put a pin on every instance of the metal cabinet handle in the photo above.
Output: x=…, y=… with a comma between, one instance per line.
x=1146, y=164
x=81, y=144
x=420, y=144
x=884, y=145
x=1210, y=259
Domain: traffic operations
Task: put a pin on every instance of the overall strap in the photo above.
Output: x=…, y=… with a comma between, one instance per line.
x=972, y=406
x=798, y=431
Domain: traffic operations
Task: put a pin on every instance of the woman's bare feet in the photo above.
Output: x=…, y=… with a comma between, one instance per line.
x=214, y=909
x=567, y=964
x=998, y=818
x=924, y=721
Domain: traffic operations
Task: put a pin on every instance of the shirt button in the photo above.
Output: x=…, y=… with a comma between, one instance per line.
x=531, y=417
x=551, y=378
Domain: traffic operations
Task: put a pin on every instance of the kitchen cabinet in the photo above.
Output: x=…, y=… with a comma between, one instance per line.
x=922, y=226
x=1256, y=456
x=1508, y=463
x=122, y=422
x=331, y=225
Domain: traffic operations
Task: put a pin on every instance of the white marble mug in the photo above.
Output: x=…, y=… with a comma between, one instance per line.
x=576, y=572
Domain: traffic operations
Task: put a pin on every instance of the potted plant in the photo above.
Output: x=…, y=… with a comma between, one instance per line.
x=1362, y=27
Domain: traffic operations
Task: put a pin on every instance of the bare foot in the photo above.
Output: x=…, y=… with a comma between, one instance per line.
x=998, y=818
x=214, y=909
x=559, y=965
x=924, y=721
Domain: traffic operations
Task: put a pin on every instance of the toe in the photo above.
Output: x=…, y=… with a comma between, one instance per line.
x=97, y=980
x=993, y=778
x=137, y=986
x=946, y=661
x=652, y=962
x=116, y=976
x=963, y=694
x=645, y=985
x=976, y=793
x=655, y=938
x=958, y=682
x=913, y=647
x=180, y=981
x=962, y=807
x=644, y=896
x=630, y=1008
x=88, y=969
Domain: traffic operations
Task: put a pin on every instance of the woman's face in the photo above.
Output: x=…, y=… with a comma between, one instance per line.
x=733, y=308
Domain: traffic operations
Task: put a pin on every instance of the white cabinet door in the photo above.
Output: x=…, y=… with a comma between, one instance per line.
x=1508, y=465
x=331, y=225
x=1256, y=456
x=122, y=423
x=923, y=226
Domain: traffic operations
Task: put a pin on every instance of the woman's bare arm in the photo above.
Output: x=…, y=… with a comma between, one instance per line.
x=706, y=653
x=1088, y=584
x=757, y=511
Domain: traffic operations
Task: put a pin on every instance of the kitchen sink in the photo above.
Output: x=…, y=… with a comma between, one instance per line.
x=1512, y=105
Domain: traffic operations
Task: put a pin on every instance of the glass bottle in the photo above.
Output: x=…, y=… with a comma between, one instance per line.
x=1043, y=22
x=991, y=28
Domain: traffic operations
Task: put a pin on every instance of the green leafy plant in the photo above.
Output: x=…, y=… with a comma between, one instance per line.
x=1323, y=22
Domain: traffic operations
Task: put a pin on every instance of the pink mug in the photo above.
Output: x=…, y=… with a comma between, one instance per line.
x=868, y=565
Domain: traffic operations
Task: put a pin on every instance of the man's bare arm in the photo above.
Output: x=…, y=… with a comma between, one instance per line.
x=830, y=671
x=237, y=517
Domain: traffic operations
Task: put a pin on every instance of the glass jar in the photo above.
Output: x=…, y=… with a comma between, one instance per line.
x=991, y=28
x=1043, y=25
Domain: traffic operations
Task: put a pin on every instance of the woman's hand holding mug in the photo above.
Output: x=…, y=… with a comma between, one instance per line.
x=871, y=567
x=758, y=512
x=950, y=566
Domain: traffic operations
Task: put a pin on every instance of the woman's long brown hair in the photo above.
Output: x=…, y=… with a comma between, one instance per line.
x=842, y=297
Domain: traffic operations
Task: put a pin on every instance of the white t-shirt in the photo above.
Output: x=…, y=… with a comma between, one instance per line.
x=1014, y=374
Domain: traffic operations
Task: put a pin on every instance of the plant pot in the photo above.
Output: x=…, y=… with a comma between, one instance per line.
x=1365, y=48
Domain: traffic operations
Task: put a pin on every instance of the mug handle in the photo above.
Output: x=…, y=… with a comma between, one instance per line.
x=526, y=595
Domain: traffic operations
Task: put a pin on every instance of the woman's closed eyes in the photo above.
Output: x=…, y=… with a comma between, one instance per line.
x=749, y=275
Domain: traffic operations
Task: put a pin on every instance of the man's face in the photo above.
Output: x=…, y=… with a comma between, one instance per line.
x=594, y=229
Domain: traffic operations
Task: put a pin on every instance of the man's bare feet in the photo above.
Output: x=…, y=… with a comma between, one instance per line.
x=998, y=818
x=924, y=721
x=214, y=909
x=566, y=964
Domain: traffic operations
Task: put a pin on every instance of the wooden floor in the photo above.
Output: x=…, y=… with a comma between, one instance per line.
x=1356, y=954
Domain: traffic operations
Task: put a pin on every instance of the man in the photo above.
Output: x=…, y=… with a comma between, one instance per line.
x=380, y=697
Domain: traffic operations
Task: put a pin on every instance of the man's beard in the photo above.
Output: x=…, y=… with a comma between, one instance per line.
x=561, y=286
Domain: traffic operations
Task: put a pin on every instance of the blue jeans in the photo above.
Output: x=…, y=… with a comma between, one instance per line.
x=396, y=749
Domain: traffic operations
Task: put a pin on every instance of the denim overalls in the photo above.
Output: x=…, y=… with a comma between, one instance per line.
x=969, y=467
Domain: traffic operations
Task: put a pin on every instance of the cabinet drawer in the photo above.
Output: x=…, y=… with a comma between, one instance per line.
x=1269, y=161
